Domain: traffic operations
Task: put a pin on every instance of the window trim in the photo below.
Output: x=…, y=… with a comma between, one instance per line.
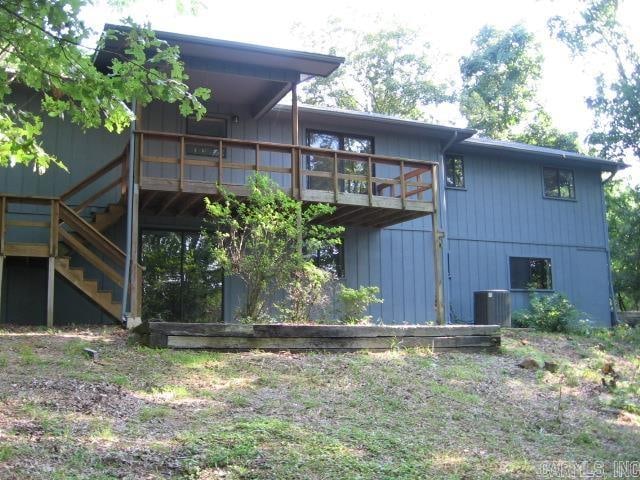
x=551, y=197
x=464, y=176
x=539, y=290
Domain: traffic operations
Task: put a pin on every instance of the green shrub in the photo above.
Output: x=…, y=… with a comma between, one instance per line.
x=354, y=303
x=261, y=240
x=551, y=313
x=306, y=290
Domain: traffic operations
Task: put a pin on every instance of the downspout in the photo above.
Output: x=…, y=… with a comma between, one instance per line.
x=130, y=185
x=444, y=228
x=614, y=311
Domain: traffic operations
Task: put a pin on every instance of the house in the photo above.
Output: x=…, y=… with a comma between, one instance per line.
x=432, y=213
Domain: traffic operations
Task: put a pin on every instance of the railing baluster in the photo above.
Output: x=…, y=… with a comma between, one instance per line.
x=123, y=172
x=298, y=162
x=403, y=191
x=219, y=162
x=3, y=223
x=181, y=164
x=295, y=192
x=257, y=157
x=53, y=228
x=335, y=177
x=370, y=181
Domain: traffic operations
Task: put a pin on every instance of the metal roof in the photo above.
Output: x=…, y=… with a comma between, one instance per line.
x=465, y=140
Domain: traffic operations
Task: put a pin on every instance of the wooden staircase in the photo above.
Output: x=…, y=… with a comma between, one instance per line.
x=75, y=276
x=73, y=239
x=103, y=220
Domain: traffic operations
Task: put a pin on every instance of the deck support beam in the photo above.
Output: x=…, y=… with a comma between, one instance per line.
x=437, y=251
x=51, y=275
x=136, y=281
x=1, y=281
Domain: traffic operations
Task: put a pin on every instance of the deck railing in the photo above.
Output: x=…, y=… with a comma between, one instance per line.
x=189, y=163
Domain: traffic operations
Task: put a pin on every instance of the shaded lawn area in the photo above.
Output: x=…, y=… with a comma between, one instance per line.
x=142, y=413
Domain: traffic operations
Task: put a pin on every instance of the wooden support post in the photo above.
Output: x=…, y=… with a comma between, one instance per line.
x=1, y=281
x=50, y=294
x=3, y=223
x=437, y=250
x=140, y=148
x=181, y=164
x=135, y=296
x=295, y=187
x=335, y=177
x=403, y=187
x=257, y=157
x=124, y=170
x=296, y=174
x=370, y=181
x=220, y=162
x=53, y=228
x=294, y=115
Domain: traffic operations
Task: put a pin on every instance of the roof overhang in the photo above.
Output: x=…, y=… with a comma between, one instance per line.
x=525, y=152
x=237, y=73
x=372, y=122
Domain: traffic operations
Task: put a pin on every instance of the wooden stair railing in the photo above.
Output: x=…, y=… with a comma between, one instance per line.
x=67, y=228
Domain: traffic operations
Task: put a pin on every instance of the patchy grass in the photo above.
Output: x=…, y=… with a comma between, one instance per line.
x=404, y=414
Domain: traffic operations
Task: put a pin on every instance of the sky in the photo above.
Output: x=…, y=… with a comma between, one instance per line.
x=448, y=26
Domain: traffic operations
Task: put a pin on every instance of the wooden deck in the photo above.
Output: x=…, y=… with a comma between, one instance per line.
x=332, y=338
x=177, y=171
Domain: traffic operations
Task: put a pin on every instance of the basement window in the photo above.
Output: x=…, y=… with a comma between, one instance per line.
x=454, y=171
x=182, y=282
x=559, y=183
x=530, y=273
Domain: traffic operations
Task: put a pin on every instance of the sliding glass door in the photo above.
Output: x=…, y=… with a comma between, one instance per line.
x=181, y=282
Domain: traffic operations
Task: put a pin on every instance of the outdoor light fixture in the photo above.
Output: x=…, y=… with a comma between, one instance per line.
x=235, y=119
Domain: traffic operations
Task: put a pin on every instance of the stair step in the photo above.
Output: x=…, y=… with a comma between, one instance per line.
x=112, y=213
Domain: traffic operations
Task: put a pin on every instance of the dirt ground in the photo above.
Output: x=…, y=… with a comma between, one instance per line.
x=139, y=413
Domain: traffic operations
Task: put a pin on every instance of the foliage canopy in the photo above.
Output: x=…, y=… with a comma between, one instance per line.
x=500, y=80
x=616, y=101
x=45, y=46
x=386, y=72
x=623, y=216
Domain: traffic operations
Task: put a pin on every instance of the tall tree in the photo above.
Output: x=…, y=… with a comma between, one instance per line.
x=500, y=80
x=387, y=72
x=623, y=216
x=44, y=46
x=616, y=101
x=541, y=132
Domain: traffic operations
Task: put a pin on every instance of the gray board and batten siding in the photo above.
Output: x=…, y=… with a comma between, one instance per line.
x=398, y=259
x=24, y=285
x=500, y=213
